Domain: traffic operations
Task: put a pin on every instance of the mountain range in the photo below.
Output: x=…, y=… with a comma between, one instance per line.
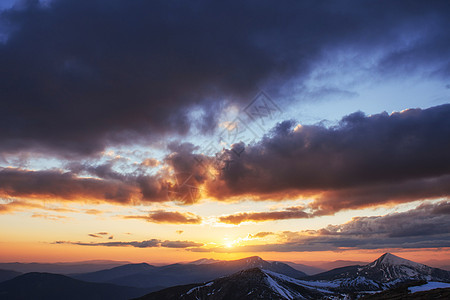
x=387, y=272
x=248, y=278
x=148, y=276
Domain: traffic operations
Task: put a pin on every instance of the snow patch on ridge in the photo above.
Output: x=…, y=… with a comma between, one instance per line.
x=429, y=286
x=278, y=288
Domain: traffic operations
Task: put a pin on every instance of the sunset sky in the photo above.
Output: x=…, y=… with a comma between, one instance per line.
x=168, y=131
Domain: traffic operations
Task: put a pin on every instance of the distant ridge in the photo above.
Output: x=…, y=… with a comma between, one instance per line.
x=62, y=267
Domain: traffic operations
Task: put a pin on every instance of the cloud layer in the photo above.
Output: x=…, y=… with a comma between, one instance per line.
x=364, y=161
x=78, y=76
x=138, y=244
x=427, y=226
x=168, y=217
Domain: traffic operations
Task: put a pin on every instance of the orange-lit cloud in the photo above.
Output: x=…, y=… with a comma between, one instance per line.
x=150, y=162
x=66, y=186
x=160, y=216
x=49, y=217
x=289, y=213
x=365, y=161
x=426, y=226
x=261, y=234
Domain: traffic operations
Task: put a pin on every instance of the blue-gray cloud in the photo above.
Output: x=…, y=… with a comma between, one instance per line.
x=79, y=75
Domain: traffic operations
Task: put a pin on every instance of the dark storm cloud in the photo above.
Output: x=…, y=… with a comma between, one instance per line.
x=58, y=185
x=180, y=244
x=142, y=244
x=169, y=217
x=363, y=161
x=426, y=226
x=77, y=76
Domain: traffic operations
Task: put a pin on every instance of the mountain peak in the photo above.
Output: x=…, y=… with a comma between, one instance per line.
x=393, y=260
x=204, y=261
x=254, y=258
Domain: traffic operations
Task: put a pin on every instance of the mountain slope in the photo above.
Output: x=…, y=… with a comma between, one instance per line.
x=309, y=270
x=178, y=274
x=404, y=292
x=8, y=274
x=248, y=284
x=114, y=273
x=54, y=286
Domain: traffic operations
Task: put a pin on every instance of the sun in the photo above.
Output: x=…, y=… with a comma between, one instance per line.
x=229, y=244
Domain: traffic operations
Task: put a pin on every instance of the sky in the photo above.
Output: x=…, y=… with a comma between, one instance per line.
x=168, y=131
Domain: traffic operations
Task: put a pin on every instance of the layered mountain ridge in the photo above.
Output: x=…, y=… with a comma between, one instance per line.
x=248, y=278
x=386, y=272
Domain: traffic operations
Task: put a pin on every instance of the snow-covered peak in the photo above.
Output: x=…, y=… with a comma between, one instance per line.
x=204, y=261
x=254, y=258
x=254, y=261
x=389, y=259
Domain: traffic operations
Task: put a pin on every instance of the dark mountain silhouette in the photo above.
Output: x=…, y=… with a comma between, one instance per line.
x=330, y=265
x=54, y=286
x=143, y=275
x=109, y=275
x=8, y=274
x=310, y=270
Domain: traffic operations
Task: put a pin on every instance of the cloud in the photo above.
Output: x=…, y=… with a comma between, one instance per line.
x=49, y=216
x=142, y=244
x=135, y=71
x=426, y=226
x=15, y=205
x=160, y=216
x=289, y=213
x=262, y=234
x=10, y=206
x=364, y=161
x=59, y=185
x=150, y=162
x=180, y=244
x=98, y=234
x=93, y=211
